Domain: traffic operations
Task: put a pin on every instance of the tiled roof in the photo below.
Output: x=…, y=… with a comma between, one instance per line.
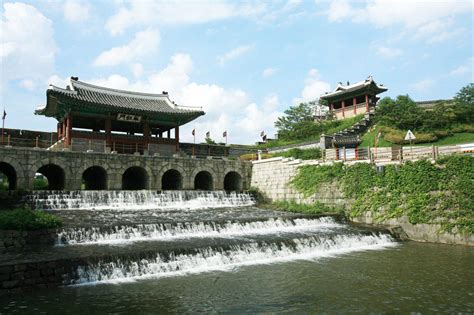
x=82, y=92
x=342, y=89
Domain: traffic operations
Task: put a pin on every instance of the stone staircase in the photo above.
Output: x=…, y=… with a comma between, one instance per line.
x=57, y=146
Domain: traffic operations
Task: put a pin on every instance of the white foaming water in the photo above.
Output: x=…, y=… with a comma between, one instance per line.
x=139, y=200
x=213, y=259
x=146, y=232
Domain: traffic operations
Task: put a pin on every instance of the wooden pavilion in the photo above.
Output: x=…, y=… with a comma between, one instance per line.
x=101, y=119
x=353, y=99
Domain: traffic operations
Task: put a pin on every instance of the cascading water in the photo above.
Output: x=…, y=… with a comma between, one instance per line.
x=168, y=231
x=212, y=259
x=114, y=242
x=137, y=200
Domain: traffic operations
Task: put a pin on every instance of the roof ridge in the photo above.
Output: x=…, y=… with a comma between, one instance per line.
x=118, y=91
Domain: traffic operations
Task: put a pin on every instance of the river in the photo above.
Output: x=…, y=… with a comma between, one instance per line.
x=188, y=252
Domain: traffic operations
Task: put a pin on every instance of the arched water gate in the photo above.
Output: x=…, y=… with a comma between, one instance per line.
x=94, y=178
x=10, y=174
x=55, y=176
x=172, y=180
x=135, y=178
x=233, y=181
x=203, y=181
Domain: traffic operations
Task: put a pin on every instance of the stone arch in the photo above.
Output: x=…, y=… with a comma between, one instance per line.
x=55, y=175
x=94, y=178
x=10, y=173
x=233, y=181
x=203, y=181
x=172, y=179
x=135, y=178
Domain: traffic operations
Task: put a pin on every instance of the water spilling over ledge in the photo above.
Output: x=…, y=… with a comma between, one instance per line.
x=124, y=234
x=137, y=200
x=218, y=258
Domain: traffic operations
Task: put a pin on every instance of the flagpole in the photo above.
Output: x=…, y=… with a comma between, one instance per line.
x=3, y=125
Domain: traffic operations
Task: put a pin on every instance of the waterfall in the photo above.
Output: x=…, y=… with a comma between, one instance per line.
x=167, y=231
x=137, y=200
x=212, y=259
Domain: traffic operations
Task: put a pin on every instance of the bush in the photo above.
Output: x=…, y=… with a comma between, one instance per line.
x=303, y=154
x=425, y=193
x=26, y=219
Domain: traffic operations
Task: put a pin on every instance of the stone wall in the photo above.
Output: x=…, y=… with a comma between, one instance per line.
x=13, y=240
x=272, y=177
x=419, y=232
x=26, y=162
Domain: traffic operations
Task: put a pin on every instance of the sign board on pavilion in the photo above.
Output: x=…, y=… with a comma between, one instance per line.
x=130, y=118
x=410, y=136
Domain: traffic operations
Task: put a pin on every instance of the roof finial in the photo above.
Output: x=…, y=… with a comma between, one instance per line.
x=75, y=78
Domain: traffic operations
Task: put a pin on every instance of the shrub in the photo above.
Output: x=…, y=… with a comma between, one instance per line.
x=303, y=154
x=25, y=219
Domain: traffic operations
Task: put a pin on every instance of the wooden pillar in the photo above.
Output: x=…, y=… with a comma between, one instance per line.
x=168, y=134
x=176, y=133
x=108, y=129
x=367, y=103
x=354, y=102
x=343, y=113
x=146, y=132
x=59, y=131
x=69, y=130
x=63, y=132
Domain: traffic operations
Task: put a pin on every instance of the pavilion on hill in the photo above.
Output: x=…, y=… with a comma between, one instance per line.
x=101, y=119
x=353, y=99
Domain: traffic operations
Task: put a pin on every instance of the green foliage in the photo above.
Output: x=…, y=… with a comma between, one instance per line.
x=464, y=100
x=440, y=193
x=311, y=177
x=303, y=154
x=26, y=219
x=291, y=206
x=40, y=183
x=256, y=194
x=294, y=117
x=209, y=141
x=297, y=125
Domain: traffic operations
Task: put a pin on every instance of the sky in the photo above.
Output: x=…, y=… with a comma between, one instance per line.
x=243, y=62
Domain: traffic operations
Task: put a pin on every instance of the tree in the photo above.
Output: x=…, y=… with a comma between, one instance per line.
x=209, y=140
x=464, y=104
x=294, y=116
x=401, y=113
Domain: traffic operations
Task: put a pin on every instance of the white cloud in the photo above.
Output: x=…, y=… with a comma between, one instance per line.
x=137, y=69
x=151, y=13
x=144, y=43
x=226, y=109
x=28, y=84
x=467, y=68
x=313, y=89
x=388, y=53
x=58, y=81
x=76, y=11
x=234, y=53
x=428, y=20
x=423, y=85
x=27, y=45
x=268, y=72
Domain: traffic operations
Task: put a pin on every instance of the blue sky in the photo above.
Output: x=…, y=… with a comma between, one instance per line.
x=243, y=62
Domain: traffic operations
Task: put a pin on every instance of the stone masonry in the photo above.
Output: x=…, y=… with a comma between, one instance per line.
x=27, y=161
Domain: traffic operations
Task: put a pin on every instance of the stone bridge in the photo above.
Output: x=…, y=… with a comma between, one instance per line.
x=96, y=171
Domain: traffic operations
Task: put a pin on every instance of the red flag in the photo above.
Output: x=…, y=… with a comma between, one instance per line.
x=194, y=132
x=262, y=133
x=208, y=134
x=4, y=114
x=224, y=134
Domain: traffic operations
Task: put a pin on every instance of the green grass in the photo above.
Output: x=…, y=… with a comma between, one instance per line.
x=24, y=219
x=457, y=138
x=369, y=138
x=329, y=127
